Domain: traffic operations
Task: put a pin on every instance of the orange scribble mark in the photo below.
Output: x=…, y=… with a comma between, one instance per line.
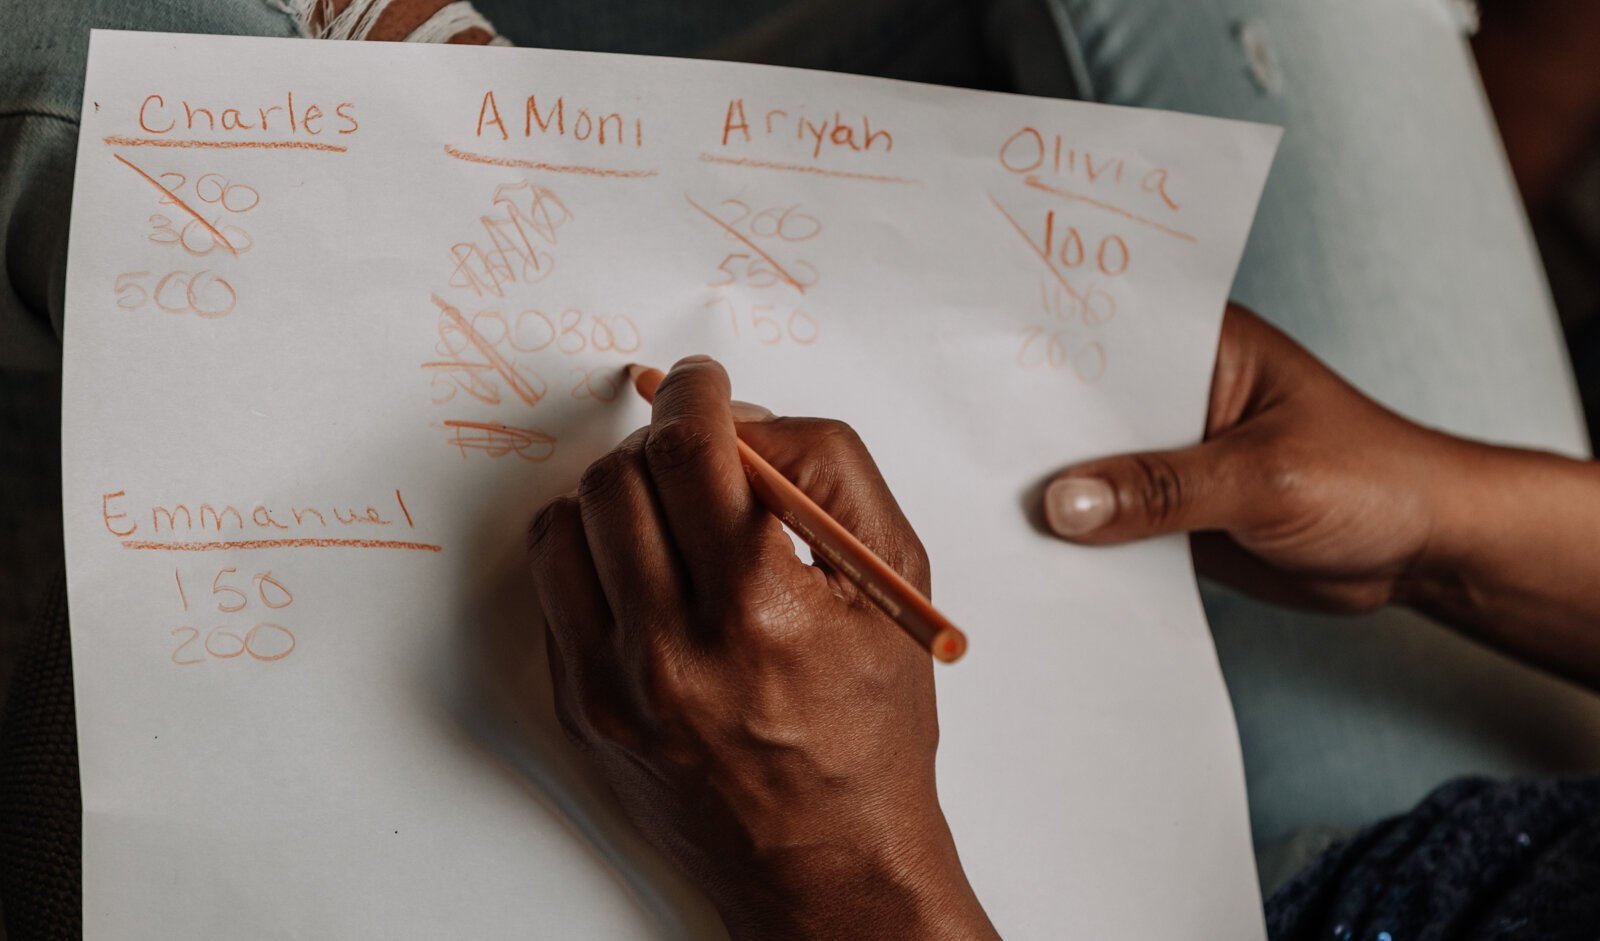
x=1043, y=253
x=804, y=168
x=474, y=385
x=518, y=383
x=578, y=168
x=1088, y=313
x=782, y=272
x=600, y=384
x=545, y=215
x=779, y=220
x=117, y=140
x=512, y=256
x=181, y=205
x=1053, y=349
x=755, y=274
x=481, y=272
x=304, y=543
x=498, y=440
x=163, y=233
x=1042, y=186
x=223, y=188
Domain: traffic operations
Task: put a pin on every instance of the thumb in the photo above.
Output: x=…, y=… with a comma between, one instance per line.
x=1136, y=496
x=827, y=460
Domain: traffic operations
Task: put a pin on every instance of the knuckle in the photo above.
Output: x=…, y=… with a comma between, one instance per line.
x=832, y=456
x=1282, y=481
x=892, y=668
x=670, y=689
x=769, y=618
x=749, y=616
x=838, y=441
x=549, y=518
x=837, y=463
x=607, y=478
x=834, y=453
x=1159, y=487
x=1279, y=471
x=677, y=443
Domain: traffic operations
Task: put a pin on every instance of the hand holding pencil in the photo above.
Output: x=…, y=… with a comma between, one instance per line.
x=753, y=713
x=837, y=546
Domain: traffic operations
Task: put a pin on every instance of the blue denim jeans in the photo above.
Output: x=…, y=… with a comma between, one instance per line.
x=1390, y=241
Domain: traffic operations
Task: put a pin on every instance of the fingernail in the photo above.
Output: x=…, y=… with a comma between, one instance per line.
x=749, y=411
x=692, y=360
x=1076, y=506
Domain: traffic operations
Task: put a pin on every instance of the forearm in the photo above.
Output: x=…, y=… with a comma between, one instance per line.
x=1514, y=558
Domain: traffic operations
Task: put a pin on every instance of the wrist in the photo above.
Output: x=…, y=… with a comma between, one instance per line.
x=1506, y=519
x=862, y=888
x=1462, y=496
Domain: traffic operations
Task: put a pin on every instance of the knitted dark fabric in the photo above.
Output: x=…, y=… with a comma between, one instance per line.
x=1476, y=861
x=41, y=820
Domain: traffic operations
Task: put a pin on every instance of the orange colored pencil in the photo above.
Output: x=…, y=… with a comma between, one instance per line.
x=838, y=546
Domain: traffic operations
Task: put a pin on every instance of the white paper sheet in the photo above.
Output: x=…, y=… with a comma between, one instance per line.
x=320, y=372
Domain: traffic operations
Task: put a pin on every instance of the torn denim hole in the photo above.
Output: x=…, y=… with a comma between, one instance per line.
x=1252, y=37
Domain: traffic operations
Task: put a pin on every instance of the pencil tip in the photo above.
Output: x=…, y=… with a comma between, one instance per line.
x=949, y=646
x=644, y=380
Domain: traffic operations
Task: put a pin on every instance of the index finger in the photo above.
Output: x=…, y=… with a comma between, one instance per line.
x=693, y=457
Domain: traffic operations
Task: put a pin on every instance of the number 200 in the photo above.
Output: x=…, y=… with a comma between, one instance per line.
x=221, y=644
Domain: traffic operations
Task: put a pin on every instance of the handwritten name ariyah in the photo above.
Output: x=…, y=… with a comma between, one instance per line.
x=834, y=132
